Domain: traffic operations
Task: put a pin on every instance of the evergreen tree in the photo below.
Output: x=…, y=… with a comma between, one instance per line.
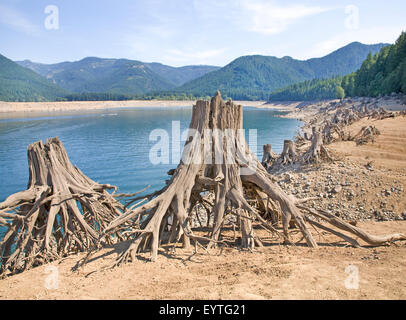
x=340, y=92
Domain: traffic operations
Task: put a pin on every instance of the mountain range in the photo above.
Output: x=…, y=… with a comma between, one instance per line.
x=255, y=77
x=121, y=76
x=247, y=77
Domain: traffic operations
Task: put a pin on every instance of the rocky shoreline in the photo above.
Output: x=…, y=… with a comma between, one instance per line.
x=352, y=189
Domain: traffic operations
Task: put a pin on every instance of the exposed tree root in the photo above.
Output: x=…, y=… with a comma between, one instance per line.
x=341, y=224
x=61, y=212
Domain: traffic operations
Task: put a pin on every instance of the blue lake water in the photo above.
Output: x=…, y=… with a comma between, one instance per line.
x=112, y=146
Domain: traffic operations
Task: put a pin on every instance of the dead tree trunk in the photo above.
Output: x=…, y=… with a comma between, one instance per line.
x=61, y=212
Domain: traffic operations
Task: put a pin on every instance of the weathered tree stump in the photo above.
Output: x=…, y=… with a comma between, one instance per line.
x=366, y=134
x=333, y=132
x=345, y=117
x=289, y=154
x=316, y=150
x=61, y=212
x=269, y=157
x=222, y=166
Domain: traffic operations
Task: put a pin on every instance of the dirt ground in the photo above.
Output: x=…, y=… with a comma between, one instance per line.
x=275, y=272
x=389, y=149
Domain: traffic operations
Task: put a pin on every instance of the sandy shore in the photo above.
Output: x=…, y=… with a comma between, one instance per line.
x=45, y=107
x=22, y=109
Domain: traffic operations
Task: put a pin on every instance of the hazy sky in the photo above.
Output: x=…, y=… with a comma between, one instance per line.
x=184, y=32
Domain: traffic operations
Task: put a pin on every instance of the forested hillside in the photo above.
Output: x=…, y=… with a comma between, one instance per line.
x=379, y=74
x=116, y=76
x=21, y=84
x=310, y=90
x=180, y=75
x=119, y=76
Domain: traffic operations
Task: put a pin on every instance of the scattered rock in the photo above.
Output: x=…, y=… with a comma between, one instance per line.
x=288, y=178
